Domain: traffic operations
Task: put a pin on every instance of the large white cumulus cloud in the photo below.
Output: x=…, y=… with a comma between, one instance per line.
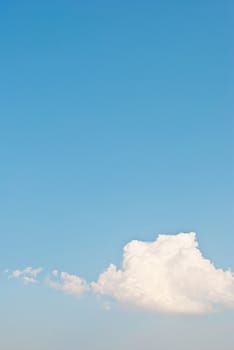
x=168, y=275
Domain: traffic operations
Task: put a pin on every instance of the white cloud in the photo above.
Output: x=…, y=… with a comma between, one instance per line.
x=55, y=273
x=69, y=284
x=167, y=275
x=27, y=275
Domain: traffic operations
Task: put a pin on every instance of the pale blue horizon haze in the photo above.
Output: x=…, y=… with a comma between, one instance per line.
x=115, y=125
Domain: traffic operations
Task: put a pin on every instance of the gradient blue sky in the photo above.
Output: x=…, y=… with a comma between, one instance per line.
x=115, y=124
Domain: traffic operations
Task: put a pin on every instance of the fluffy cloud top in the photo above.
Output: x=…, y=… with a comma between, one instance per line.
x=27, y=275
x=69, y=284
x=168, y=275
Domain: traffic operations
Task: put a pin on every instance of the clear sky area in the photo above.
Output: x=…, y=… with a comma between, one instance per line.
x=116, y=130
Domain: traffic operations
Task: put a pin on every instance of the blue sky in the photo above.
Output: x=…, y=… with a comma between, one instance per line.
x=115, y=124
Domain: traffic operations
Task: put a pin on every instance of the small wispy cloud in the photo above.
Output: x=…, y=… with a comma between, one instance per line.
x=27, y=275
x=67, y=283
